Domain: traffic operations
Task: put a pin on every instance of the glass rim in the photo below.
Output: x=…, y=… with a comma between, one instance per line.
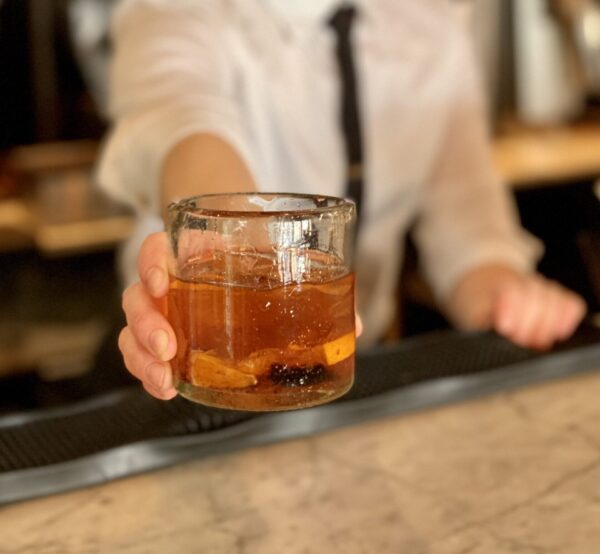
x=185, y=205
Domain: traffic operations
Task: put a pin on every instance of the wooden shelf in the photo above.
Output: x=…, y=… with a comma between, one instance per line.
x=53, y=156
x=82, y=236
x=69, y=216
x=55, y=350
x=21, y=227
x=532, y=157
x=63, y=212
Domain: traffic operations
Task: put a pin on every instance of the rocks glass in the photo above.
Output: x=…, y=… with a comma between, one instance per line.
x=261, y=299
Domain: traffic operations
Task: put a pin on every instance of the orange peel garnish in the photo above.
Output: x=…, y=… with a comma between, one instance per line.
x=209, y=371
x=259, y=362
x=338, y=350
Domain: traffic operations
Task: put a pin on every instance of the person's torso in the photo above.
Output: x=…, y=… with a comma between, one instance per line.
x=282, y=74
x=286, y=81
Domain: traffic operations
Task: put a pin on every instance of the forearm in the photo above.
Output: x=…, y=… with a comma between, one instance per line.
x=203, y=164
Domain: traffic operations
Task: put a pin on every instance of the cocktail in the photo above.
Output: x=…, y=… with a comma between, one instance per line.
x=262, y=299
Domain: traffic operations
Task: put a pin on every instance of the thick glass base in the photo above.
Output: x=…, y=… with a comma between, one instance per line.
x=281, y=399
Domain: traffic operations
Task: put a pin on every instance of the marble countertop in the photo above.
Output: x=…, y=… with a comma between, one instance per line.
x=517, y=472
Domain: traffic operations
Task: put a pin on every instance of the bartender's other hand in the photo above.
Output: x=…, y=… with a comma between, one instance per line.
x=529, y=310
x=148, y=341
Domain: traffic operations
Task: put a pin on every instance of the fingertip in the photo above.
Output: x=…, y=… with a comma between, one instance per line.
x=168, y=380
x=158, y=376
x=153, y=262
x=163, y=345
x=581, y=309
x=170, y=394
x=155, y=244
x=503, y=314
x=168, y=346
x=159, y=343
x=166, y=393
x=572, y=318
x=568, y=328
x=171, y=350
x=156, y=281
x=504, y=322
x=160, y=394
x=123, y=338
x=358, y=326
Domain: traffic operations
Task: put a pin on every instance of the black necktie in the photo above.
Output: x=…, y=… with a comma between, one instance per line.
x=341, y=23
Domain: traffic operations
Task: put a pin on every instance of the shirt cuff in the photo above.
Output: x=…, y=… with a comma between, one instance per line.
x=133, y=156
x=520, y=253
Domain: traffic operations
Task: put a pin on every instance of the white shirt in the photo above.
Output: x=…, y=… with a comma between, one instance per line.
x=262, y=75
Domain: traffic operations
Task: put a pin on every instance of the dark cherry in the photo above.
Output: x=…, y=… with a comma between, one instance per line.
x=297, y=375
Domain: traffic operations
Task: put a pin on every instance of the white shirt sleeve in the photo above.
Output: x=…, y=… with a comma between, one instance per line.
x=468, y=217
x=170, y=79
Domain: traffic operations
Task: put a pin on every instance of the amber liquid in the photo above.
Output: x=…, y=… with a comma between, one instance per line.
x=258, y=344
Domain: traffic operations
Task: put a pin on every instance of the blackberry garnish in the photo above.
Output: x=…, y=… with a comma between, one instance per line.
x=297, y=375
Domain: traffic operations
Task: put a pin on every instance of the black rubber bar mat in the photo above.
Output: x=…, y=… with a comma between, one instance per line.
x=126, y=432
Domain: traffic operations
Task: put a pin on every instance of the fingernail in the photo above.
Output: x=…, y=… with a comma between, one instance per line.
x=155, y=279
x=159, y=342
x=155, y=373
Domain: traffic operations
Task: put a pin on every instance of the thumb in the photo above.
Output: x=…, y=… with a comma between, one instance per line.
x=153, y=263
